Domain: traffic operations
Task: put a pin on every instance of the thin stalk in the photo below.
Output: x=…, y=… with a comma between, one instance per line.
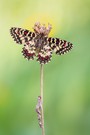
x=41, y=94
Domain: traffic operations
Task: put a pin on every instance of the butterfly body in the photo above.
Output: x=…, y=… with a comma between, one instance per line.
x=40, y=41
x=38, y=44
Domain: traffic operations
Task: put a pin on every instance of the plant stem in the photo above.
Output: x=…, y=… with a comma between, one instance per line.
x=41, y=94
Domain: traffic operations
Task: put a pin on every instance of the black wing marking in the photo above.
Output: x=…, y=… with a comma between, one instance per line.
x=29, y=51
x=45, y=55
x=59, y=46
x=22, y=36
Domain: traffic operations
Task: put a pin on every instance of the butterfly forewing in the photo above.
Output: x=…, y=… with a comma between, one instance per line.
x=59, y=46
x=22, y=36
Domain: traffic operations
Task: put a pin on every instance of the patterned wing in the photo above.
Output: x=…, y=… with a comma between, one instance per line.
x=45, y=55
x=59, y=46
x=22, y=36
x=29, y=51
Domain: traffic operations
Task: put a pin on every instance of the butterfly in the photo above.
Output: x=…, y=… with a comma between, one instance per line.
x=38, y=44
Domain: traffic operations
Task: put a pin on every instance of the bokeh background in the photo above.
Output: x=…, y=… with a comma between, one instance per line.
x=66, y=78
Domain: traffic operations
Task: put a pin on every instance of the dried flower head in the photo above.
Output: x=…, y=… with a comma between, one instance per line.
x=41, y=29
x=38, y=44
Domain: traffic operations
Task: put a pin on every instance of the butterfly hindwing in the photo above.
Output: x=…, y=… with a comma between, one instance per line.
x=22, y=36
x=59, y=46
x=29, y=52
x=45, y=55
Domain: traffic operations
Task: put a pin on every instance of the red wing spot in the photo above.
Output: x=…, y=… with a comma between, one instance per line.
x=25, y=51
x=49, y=39
x=64, y=43
x=33, y=34
x=42, y=58
x=25, y=32
x=39, y=55
x=47, y=57
x=30, y=54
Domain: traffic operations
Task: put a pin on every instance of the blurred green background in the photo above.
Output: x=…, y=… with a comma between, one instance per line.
x=66, y=78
